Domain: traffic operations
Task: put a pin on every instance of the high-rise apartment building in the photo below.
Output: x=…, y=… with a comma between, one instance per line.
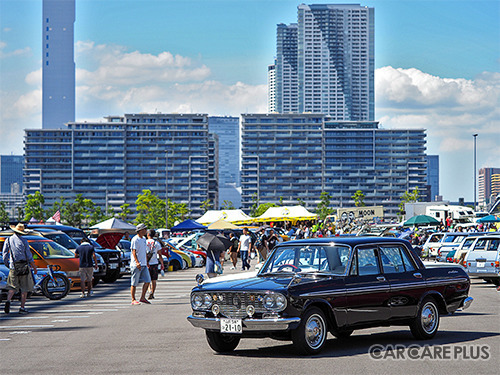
x=299, y=156
x=227, y=129
x=325, y=63
x=11, y=174
x=112, y=162
x=487, y=181
x=271, y=88
x=58, y=65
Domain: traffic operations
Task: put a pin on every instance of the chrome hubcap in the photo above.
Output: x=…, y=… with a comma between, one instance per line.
x=429, y=317
x=315, y=331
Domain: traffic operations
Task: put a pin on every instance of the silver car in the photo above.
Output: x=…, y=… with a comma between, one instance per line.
x=483, y=259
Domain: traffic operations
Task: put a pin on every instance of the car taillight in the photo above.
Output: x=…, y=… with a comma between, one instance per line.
x=497, y=264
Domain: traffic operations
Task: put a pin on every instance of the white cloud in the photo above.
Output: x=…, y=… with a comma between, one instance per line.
x=18, y=52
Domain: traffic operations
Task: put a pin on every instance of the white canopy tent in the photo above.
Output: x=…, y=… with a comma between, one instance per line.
x=286, y=213
x=231, y=216
x=114, y=225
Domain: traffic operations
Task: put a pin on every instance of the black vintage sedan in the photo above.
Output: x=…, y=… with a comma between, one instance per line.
x=308, y=288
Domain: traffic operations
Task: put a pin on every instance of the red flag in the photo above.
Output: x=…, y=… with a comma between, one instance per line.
x=57, y=216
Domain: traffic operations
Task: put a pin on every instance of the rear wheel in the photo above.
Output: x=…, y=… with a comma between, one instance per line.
x=426, y=323
x=57, y=289
x=222, y=343
x=176, y=266
x=310, y=336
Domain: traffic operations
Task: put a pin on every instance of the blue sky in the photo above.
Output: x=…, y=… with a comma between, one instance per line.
x=438, y=67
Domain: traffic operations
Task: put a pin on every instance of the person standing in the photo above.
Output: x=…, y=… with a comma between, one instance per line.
x=233, y=250
x=139, y=265
x=272, y=240
x=88, y=261
x=244, y=247
x=17, y=256
x=261, y=244
x=154, y=254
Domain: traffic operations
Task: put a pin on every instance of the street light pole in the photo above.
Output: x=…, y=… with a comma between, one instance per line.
x=166, y=189
x=475, y=136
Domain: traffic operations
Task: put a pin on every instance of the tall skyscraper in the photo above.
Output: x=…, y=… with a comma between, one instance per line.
x=433, y=176
x=58, y=65
x=488, y=178
x=11, y=173
x=271, y=88
x=326, y=62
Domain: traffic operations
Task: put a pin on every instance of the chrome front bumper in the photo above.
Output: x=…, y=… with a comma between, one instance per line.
x=249, y=325
x=467, y=302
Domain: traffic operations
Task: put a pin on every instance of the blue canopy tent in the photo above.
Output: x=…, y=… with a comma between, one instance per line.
x=187, y=225
x=489, y=219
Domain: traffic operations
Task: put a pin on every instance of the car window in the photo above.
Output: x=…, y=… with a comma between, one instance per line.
x=407, y=261
x=467, y=243
x=435, y=238
x=480, y=245
x=391, y=260
x=51, y=250
x=367, y=262
x=493, y=245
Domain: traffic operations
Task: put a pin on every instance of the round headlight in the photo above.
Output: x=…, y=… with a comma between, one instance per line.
x=250, y=310
x=215, y=309
x=269, y=301
x=280, y=302
x=196, y=301
x=207, y=300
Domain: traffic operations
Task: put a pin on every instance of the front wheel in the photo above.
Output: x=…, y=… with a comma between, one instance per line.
x=222, y=343
x=426, y=323
x=57, y=289
x=310, y=336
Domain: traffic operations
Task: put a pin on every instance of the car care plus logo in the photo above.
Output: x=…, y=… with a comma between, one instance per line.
x=428, y=352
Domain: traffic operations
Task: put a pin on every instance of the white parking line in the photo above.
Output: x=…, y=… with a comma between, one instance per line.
x=4, y=339
x=25, y=317
x=82, y=310
x=34, y=326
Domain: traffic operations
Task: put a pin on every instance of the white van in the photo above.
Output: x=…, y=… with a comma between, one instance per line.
x=483, y=259
x=432, y=244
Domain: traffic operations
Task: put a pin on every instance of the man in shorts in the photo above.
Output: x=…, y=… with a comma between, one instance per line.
x=234, y=250
x=139, y=266
x=15, y=250
x=154, y=254
x=88, y=261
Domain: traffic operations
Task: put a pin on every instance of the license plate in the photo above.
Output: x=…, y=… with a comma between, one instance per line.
x=480, y=264
x=231, y=326
x=113, y=265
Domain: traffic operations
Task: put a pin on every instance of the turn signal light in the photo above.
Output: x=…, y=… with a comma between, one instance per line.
x=497, y=264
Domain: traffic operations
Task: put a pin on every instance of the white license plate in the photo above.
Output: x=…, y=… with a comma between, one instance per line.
x=113, y=265
x=231, y=326
x=480, y=264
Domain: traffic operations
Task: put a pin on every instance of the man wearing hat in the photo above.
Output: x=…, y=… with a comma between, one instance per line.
x=16, y=253
x=139, y=266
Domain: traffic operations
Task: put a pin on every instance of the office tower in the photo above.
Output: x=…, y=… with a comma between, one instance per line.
x=227, y=129
x=433, y=175
x=112, y=162
x=271, y=88
x=487, y=183
x=325, y=63
x=11, y=174
x=213, y=170
x=298, y=156
x=58, y=65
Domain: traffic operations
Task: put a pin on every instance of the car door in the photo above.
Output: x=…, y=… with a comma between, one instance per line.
x=367, y=290
x=406, y=283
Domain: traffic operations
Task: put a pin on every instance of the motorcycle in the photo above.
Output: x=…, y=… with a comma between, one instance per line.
x=53, y=285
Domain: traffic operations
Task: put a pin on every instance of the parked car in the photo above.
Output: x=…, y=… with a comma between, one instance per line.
x=46, y=251
x=431, y=246
x=464, y=247
x=483, y=259
x=307, y=288
x=124, y=247
x=171, y=258
x=451, y=241
x=64, y=240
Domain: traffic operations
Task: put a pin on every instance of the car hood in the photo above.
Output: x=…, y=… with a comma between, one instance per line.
x=246, y=282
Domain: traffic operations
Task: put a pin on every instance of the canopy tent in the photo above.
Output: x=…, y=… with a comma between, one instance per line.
x=489, y=219
x=421, y=220
x=114, y=225
x=223, y=224
x=231, y=216
x=288, y=213
x=187, y=225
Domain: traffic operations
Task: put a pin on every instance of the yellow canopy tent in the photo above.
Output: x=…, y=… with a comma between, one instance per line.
x=222, y=224
x=231, y=216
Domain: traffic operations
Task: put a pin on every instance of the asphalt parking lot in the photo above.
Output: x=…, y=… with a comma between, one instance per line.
x=105, y=334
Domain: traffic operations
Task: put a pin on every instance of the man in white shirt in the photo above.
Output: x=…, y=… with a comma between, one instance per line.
x=244, y=247
x=139, y=266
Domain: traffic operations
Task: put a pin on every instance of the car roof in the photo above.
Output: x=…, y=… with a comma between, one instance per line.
x=54, y=227
x=351, y=241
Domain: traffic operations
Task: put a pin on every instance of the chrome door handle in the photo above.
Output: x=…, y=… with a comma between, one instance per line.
x=418, y=275
x=380, y=278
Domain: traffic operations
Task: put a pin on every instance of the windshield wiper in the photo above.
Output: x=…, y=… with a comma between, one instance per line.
x=317, y=272
x=275, y=273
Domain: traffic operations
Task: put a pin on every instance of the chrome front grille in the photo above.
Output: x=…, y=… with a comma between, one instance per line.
x=233, y=305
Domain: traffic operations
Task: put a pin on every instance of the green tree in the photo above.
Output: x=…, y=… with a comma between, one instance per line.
x=280, y=202
x=255, y=205
x=359, y=198
x=227, y=205
x=408, y=198
x=125, y=212
x=323, y=209
x=34, y=207
x=60, y=206
x=150, y=210
x=300, y=202
x=19, y=213
x=176, y=212
x=206, y=205
x=4, y=215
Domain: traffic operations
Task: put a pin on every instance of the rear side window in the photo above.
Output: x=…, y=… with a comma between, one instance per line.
x=391, y=260
x=493, y=245
x=367, y=262
x=480, y=245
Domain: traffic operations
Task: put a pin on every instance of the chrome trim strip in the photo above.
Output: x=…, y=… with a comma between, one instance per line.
x=277, y=324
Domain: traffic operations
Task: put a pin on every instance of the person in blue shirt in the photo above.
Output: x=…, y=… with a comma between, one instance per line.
x=88, y=261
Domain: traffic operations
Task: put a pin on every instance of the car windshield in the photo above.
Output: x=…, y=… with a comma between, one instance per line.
x=331, y=259
x=436, y=238
x=95, y=244
x=62, y=239
x=51, y=249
